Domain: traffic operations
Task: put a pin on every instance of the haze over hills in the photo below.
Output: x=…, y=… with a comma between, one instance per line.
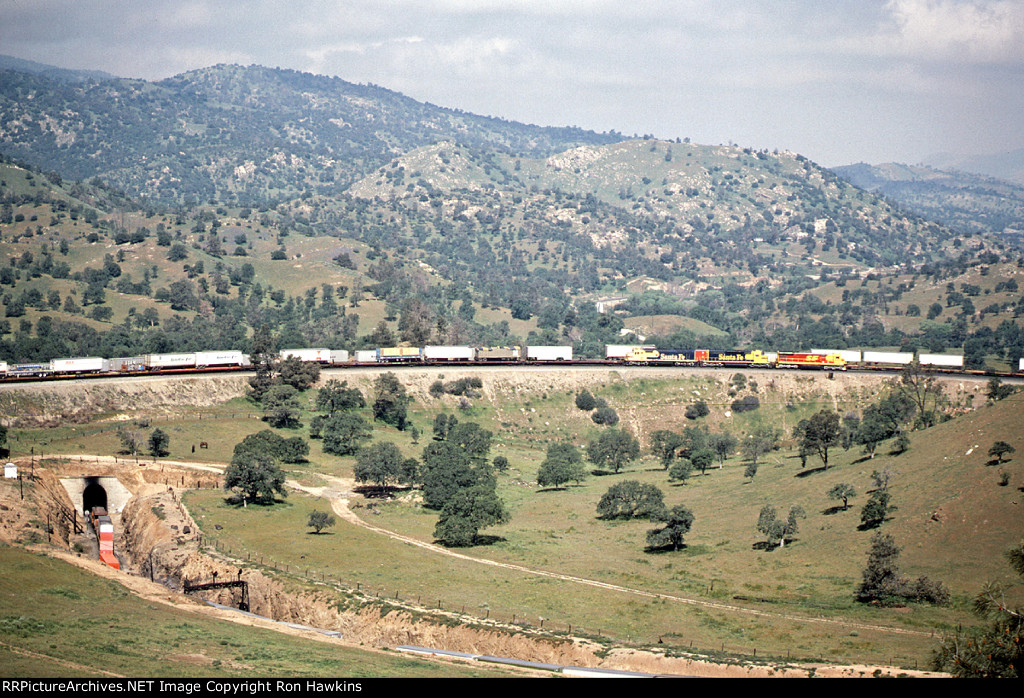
x=968, y=203
x=447, y=227
x=1008, y=165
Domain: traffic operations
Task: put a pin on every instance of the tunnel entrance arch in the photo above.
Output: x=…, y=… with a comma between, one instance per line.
x=93, y=495
x=88, y=491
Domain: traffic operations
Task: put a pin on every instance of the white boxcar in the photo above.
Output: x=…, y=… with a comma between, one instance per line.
x=366, y=356
x=850, y=356
x=3, y=367
x=549, y=353
x=888, y=357
x=947, y=360
x=205, y=359
x=339, y=356
x=1020, y=365
x=88, y=364
x=448, y=353
x=322, y=356
x=156, y=361
x=619, y=351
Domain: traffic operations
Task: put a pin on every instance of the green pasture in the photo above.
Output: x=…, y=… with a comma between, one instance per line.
x=64, y=621
x=723, y=592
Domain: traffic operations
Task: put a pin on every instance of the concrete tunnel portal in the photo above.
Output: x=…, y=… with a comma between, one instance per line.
x=91, y=491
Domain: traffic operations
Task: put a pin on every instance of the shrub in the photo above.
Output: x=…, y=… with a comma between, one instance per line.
x=585, y=401
x=605, y=415
x=746, y=404
x=697, y=410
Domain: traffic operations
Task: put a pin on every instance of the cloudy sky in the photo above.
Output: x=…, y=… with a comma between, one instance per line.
x=840, y=81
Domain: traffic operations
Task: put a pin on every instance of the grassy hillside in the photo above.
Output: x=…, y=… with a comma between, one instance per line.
x=953, y=517
x=67, y=622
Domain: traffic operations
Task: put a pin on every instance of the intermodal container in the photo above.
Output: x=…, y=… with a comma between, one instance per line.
x=157, y=361
x=448, y=353
x=206, y=359
x=945, y=360
x=322, y=356
x=899, y=358
x=497, y=354
x=89, y=364
x=399, y=354
x=549, y=353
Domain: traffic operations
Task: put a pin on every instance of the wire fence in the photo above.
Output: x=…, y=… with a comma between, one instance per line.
x=488, y=615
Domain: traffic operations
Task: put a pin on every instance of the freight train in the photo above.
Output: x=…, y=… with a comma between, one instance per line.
x=634, y=355
x=104, y=529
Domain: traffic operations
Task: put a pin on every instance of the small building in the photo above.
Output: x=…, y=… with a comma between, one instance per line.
x=10, y=471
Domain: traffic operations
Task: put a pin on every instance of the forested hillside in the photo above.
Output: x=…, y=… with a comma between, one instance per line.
x=967, y=203
x=346, y=215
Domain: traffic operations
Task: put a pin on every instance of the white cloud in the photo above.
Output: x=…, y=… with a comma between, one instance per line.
x=977, y=31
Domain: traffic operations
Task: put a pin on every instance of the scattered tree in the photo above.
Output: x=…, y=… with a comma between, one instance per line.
x=923, y=390
x=446, y=469
x=702, y=458
x=466, y=512
x=131, y=440
x=842, y=491
x=665, y=444
x=319, y=520
x=723, y=443
x=338, y=397
x=993, y=652
x=390, y=401
x=677, y=523
x=474, y=440
x=997, y=390
x=630, y=500
x=379, y=463
x=820, y=432
x=297, y=373
x=281, y=406
x=563, y=463
x=876, y=509
x=761, y=441
x=344, y=433
x=613, y=449
x=262, y=354
x=159, y=443
x=777, y=530
x=266, y=442
x=681, y=470
x=882, y=583
x=442, y=424
x=1000, y=449
x=256, y=476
